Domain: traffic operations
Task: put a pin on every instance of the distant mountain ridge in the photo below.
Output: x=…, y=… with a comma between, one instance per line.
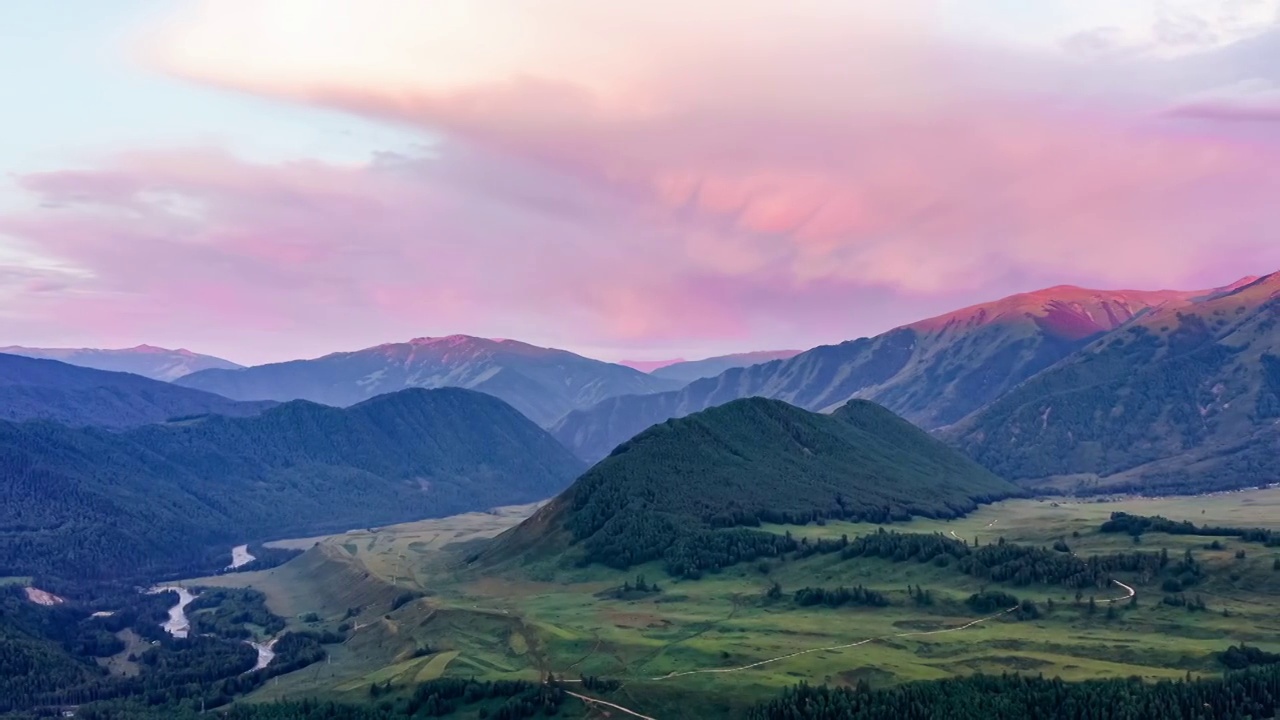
x=145, y=360
x=542, y=383
x=34, y=389
x=682, y=490
x=94, y=504
x=689, y=370
x=649, y=366
x=1186, y=398
x=933, y=372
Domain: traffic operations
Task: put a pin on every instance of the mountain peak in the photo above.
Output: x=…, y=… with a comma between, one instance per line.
x=1244, y=281
x=148, y=361
x=749, y=461
x=1063, y=311
x=459, y=340
x=445, y=340
x=145, y=349
x=543, y=383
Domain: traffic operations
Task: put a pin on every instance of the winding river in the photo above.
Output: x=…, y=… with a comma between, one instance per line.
x=177, y=625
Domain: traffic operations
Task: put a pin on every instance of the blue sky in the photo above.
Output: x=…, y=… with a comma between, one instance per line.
x=77, y=93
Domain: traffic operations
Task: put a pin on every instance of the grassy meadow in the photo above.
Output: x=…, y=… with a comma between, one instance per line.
x=418, y=613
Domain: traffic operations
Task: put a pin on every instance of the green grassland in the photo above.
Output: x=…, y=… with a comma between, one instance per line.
x=540, y=618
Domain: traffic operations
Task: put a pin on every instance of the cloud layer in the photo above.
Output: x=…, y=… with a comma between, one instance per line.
x=646, y=175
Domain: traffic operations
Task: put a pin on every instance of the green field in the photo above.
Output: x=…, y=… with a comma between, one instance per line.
x=539, y=618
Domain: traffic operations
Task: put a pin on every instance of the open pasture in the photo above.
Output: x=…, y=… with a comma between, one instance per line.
x=721, y=636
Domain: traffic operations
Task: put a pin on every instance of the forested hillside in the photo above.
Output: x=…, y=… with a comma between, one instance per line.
x=1184, y=399
x=681, y=487
x=92, y=503
x=33, y=388
x=933, y=372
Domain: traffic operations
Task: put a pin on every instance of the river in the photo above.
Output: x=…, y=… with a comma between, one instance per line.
x=177, y=624
x=266, y=653
x=240, y=557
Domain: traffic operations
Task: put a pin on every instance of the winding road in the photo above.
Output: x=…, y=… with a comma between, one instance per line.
x=1131, y=591
x=597, y=701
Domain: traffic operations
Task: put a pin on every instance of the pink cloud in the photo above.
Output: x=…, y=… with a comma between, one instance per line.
x=1251, y=100
x=396, y=248
x=870, y=151
x=631, y=174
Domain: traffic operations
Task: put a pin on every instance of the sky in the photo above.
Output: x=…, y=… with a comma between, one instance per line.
x=273, y=179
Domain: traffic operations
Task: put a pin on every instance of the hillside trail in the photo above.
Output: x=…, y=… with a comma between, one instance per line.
x=596, y=701
x=669, y=676
x=1130, y=590
x=846, y=646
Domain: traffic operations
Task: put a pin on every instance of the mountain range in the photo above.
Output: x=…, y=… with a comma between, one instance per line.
x=544, y=384
x=33, y=389
x=1041, y=387
x=90, y=503
x=1186, y=398
x=686, y=371
x=933, y=372
x=683, y=490
x=152, y=362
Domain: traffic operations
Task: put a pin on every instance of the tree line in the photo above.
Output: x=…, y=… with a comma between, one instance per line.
x=1246, y=695
x=840, y=596
x=1137, y=525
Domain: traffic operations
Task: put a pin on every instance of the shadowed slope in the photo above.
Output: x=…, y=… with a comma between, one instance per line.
x=747, y=462
x=93, y=503
x=933, y=372
x=1184, y=399
x=36, y=389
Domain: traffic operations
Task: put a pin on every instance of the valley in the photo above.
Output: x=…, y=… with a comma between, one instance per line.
x=719, y=565
x=720, y=644
x=953, y=390
x=90, y=504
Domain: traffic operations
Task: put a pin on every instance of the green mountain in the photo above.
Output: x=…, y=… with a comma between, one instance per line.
x=39, y=389
x=97, y=504
x=689, y=486
x=933, y=372
x=1186, y=398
